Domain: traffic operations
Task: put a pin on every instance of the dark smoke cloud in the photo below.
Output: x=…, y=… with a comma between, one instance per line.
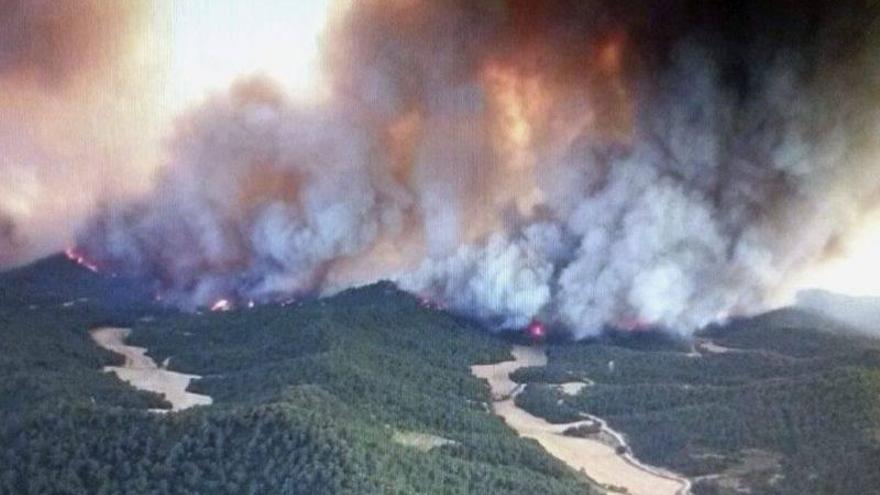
x=585, y=163
x=55, y=41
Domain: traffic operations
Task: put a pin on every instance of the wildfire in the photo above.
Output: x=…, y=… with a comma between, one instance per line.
x=633, y=324
x=519, y=103
x=536, y=330
x=77, y=257
x=429, y=303
x=508, y=93
x=222, y=305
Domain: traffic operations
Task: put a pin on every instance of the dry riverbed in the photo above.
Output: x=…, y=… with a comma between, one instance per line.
x=141, y=372
x=599, y=460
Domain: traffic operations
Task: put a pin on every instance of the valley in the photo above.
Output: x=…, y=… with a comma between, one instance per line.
x=142, y=373
x=382, y=395
x=598, y=459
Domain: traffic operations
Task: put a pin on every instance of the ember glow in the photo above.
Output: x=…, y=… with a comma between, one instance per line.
x=592, y=163
x=222, y=305
x=632, y=325
x=536, y=330
x=74, y=255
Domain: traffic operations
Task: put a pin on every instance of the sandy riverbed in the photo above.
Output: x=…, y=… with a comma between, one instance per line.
x=598, y=460
x=141, y=372
x=572, y=388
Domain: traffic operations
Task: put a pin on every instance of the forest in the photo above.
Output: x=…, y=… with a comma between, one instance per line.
x=783, y=403
x=308, y=397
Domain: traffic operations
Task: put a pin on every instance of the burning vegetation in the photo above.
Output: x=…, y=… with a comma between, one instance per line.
x=665, y=163
x=536, y=331
x=222, y=305
x=74, y=255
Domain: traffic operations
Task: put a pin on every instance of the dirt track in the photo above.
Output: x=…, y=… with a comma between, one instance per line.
x=596, y=459
x=141, y=372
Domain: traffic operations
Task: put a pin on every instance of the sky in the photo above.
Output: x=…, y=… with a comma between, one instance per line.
x=214, y=42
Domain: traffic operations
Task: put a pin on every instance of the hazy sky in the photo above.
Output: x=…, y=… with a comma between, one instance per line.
x=214, y=42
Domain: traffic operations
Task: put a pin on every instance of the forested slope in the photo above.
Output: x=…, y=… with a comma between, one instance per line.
x=308, y=398
x=783, y=403
x=313, y=397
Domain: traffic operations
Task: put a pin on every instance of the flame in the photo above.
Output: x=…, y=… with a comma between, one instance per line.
x=507, y=92
x=633, y=324
x=519, y=102
x=429, y=303
x=77, y=257
x=222, y=305
x=536, y=330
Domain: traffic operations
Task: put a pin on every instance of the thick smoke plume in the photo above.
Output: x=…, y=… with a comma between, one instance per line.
x=582, y=163
x=72, y=116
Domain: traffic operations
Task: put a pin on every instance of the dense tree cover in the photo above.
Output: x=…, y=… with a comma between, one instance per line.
x=56, y=281
x=307, y=398
x=46, y=355
x=384, y=357
x=792, y=384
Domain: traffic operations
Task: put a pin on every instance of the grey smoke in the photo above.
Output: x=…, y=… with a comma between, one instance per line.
x=677, y=183
x=73, y=119
x=9, y=243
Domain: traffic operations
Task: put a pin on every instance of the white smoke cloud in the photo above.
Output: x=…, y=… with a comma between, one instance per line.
x=75, y=124
x=502, y=282
x=553, y=170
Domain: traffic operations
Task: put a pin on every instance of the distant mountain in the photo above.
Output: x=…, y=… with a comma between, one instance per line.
x=860, y=312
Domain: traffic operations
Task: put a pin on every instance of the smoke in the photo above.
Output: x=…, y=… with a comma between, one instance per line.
x=582, y=163
x=54, y=42
x=8, y=241
x=74, y=119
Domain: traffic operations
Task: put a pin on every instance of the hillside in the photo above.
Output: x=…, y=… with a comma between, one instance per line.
x=860, y=312
x=370, y=392
x=319, y=397
x=783, y=403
